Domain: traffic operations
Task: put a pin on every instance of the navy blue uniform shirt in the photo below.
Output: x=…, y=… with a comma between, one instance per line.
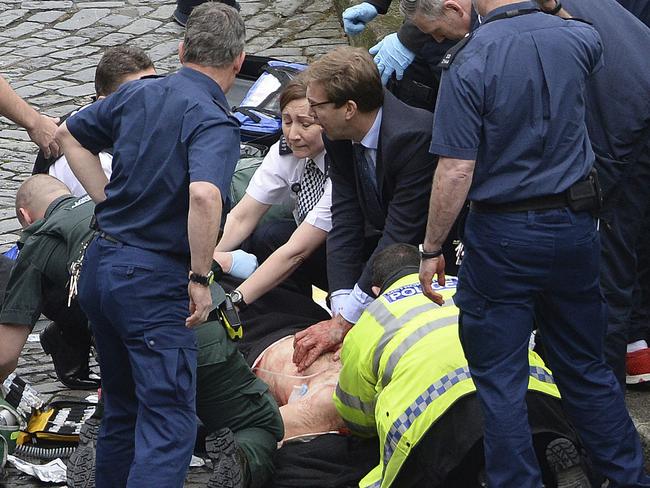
x=618, y=97
x=166, y=133
x=513, y=100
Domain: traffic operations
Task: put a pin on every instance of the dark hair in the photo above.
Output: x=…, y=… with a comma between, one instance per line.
x=214, y=35
x=348, y=73
x=392, y=259
x=296, y=89
x=116, y=63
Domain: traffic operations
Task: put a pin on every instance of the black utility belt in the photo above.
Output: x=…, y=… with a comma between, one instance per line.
x=94, y=226
x=582, y=196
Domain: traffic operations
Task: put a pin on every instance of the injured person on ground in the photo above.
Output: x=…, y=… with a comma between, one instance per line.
x=388, y=364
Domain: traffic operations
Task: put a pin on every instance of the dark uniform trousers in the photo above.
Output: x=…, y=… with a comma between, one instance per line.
x=542, y=264
x=621, y=233
x=640, y=320
x=136, y=301
x=269, y=236
x=230, y=395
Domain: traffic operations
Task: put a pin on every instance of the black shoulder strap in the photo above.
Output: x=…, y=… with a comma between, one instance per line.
x=450, y=55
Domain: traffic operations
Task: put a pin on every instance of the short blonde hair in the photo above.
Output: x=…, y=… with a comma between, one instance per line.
x=348, y=73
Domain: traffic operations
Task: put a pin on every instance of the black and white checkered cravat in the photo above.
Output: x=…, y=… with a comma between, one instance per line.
x=311, y=189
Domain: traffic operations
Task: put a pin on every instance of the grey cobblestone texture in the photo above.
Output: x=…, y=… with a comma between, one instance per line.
x=48, y=53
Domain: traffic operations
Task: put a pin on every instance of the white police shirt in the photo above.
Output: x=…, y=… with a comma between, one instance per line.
x=277, y=182
x=62, y=172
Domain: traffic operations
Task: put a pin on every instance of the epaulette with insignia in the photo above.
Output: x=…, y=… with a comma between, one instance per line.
x=450, y=55
x=284, y=148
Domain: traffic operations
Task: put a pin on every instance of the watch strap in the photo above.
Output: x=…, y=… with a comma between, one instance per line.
x=428, y=255
x=205, y=280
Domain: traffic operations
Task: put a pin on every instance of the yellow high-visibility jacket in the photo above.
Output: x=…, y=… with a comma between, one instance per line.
x=403, y=367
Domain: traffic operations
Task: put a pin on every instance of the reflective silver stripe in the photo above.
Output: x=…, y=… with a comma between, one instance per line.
x=354, y=401
x=391, y=327
x=376, y=484
x=417, y=408
x=410, y=340
x=380, y=312
x=364, y=429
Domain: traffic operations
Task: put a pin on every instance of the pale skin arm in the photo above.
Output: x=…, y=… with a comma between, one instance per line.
x=40, y=128
x=203, y=222
x=13, y=338
x=283, y=262
x=84, y=164
x=241, y=222
x=451, y=183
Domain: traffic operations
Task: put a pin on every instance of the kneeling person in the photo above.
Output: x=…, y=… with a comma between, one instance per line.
x=231, y=402
x=405, y=378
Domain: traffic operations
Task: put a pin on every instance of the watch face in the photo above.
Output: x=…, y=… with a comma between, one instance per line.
x=235, y=296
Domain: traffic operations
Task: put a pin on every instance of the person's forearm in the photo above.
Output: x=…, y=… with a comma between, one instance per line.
x=283, y=262
x=451, y=183
x=234, y=232
x=15, y=108
x=240, y=223
x=203, y=222
x=85, y=165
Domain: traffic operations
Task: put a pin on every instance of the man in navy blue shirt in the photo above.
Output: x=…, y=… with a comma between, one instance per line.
x=618, y=121
x=175, y=148
x=510, y=132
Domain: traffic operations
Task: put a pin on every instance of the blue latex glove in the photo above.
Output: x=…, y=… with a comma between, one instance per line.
x=391, y=56
x=356, y=17
x=243, y=264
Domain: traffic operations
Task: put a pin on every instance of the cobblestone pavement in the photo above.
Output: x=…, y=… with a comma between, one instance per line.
x=48, y=53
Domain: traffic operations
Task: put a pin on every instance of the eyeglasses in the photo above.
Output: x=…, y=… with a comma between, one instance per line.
x=318, y=104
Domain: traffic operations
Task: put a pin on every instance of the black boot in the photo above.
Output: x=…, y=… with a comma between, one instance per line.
x=70, y=361
x=230, y=465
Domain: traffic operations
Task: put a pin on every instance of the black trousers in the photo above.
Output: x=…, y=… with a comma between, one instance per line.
x=450, y=455
x=621, y=232
x=269, y=236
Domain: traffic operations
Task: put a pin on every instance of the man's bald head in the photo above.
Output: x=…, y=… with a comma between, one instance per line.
x=35, y=195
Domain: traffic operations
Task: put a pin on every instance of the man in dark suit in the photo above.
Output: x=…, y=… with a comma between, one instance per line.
x=381, y=173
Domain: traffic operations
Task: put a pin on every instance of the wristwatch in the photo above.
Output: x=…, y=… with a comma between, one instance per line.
x=205, y=280
x=237, y=299
x=428, y=255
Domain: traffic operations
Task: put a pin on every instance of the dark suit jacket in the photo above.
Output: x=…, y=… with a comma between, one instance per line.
x=404, y=173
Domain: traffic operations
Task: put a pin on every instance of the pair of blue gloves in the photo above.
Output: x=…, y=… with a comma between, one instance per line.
x=391, y=56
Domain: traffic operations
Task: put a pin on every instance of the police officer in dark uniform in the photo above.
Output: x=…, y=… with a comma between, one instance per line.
x=175, y=149
x=509, y=129
x=618, y=121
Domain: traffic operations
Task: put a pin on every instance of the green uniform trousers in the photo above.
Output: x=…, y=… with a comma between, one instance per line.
x=229, y=395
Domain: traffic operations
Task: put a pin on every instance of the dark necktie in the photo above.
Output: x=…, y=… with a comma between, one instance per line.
x=367, y=176
x=311, y=189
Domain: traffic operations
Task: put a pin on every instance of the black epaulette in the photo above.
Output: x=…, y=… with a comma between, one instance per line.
x=450, y=55
x=152, y=77
x=284, y=148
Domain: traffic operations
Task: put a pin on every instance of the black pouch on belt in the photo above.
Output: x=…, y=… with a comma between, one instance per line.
x=586, y=195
